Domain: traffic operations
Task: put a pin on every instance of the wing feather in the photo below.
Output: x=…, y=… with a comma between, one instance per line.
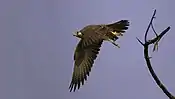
x=84, y=57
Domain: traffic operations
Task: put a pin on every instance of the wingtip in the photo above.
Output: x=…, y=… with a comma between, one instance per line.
x=70, y=87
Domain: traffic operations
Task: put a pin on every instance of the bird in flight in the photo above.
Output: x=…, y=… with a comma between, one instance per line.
x=91, y=39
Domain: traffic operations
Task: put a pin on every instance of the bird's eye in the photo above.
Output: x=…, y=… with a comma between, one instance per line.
x=79, y=33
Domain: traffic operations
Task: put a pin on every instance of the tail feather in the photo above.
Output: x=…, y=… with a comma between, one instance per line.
x=117, y=28
x=120, y=26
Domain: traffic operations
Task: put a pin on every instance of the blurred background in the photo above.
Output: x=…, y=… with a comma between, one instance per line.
x=37, y=47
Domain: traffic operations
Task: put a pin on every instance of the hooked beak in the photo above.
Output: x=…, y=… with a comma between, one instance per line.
x=74, y=34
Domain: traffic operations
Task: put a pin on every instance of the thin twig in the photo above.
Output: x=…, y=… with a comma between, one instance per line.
x=159, y=36
x=146, y=55
x=154, y=30
x=149, y=25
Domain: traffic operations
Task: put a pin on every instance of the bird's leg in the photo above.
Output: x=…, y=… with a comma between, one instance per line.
x=113, y=42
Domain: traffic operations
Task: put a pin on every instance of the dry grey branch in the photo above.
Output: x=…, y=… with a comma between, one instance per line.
x=147, y=58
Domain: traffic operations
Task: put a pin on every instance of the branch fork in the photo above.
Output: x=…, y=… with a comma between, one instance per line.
x=154, y=41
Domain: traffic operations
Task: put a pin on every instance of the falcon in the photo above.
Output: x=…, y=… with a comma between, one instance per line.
x=91, y=38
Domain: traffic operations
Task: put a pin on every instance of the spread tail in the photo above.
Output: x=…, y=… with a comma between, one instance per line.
x=118, y=28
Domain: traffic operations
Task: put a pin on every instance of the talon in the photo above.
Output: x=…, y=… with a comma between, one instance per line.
x=117, y=34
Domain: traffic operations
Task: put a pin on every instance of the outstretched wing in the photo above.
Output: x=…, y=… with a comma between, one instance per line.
x=84, y=57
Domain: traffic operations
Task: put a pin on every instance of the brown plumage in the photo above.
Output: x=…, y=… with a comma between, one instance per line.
x=92, y=37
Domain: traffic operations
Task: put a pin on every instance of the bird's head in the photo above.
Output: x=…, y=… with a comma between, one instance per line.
x=78, y=34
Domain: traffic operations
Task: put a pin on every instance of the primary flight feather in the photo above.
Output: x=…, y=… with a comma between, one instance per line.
x=92, y=37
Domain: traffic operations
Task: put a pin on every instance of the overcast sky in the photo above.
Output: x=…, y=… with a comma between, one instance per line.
x=37, y=47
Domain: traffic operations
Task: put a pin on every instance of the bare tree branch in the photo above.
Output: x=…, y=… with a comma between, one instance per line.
x=154, y=30
x=147, y=58
x=149, y=25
